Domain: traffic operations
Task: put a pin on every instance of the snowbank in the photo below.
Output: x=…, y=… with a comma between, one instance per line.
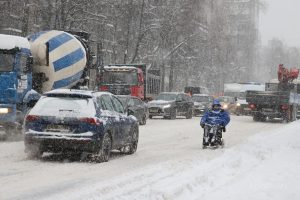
x=267, y=166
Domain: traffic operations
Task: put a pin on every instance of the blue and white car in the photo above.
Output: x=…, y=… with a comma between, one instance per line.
x=76, y=121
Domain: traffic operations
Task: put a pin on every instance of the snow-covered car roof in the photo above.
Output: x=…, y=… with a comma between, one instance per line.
x=75, y=92
x=120, y=67
x=200, y=95
x=127, y=96
x=172, y=93
x=8, y=42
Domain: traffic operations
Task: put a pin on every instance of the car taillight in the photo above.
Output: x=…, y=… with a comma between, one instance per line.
x=31, y=118
x=91, y=120
x=103, y=88
x=252, y=106
x=284, y=107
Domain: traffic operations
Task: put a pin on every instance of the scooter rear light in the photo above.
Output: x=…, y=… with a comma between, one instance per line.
x=31, y=118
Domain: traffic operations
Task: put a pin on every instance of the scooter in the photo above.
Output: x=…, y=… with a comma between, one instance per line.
x=212, y=136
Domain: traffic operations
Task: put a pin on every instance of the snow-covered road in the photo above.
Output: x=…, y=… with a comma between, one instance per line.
x=259, y=161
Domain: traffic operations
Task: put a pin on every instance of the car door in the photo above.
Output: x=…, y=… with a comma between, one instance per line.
x=187, y=103
x=132, y=107
x=140, y=109
x=109, y=115
x=180, y=103
x=124, y=122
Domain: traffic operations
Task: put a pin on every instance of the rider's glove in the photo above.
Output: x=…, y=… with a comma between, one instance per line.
x=202, y=125
x=223, y=128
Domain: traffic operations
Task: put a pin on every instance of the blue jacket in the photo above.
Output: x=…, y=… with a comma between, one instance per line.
x=215, y=117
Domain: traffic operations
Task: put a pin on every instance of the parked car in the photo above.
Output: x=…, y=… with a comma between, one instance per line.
x=171, y=104
x=202, y=102
x=137, y=106
x=76, y=121
x=228, y=103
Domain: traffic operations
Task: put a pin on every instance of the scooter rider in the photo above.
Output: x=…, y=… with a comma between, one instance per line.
x=215, y=116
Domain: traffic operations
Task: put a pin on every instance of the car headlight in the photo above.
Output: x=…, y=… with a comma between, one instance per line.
x=225, y=106
x=5, y=110
x=167, y=106
x=238, y=104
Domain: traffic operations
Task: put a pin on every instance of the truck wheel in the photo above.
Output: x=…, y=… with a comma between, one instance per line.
x=298, y=112
x=263, y=118
x=13, y=132
x=293, y=113
x=105, y=148
x=255, y=118
x=287, y=116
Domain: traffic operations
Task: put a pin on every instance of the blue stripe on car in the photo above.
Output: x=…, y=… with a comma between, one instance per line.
x=59, y=40
x=68, y=60
x=35, y=36
x=67, y=81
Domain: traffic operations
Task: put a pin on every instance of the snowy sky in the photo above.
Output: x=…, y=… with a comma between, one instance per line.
x=281, y=20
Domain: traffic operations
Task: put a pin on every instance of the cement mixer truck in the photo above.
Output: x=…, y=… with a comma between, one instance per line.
x=31, y=66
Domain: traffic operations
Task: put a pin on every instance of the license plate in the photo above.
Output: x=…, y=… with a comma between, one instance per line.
x=268, y=109
x=58, y=128
x=153, y=110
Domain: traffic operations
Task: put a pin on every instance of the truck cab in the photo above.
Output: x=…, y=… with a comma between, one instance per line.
x=15, y=77
x=123, y=80
x=130, y=79
x=278, y=101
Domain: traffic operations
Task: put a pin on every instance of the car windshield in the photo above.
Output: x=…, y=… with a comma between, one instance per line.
x=200, y=99
x=124, y=77
x=225, y=99
x=166, y=97
x=272, y=87
x=64, y=106
x=6, y=62
x=240, y=95
x=122, y=99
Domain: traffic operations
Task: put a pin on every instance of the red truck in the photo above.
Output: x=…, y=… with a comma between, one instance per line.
x=280, y=100
x=130, y=79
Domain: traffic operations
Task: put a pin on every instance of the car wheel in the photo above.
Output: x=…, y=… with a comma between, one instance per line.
x=173, y=114
x=255, y=118
x=134, y=140
x=105, y=148
x=34, y=152
x=144, y=120
x=189, y=114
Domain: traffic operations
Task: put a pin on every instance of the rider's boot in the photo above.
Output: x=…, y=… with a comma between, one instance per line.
x=213, y=141
x=205, y=141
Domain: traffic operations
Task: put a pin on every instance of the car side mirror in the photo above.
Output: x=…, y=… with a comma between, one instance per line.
x=130, y=112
